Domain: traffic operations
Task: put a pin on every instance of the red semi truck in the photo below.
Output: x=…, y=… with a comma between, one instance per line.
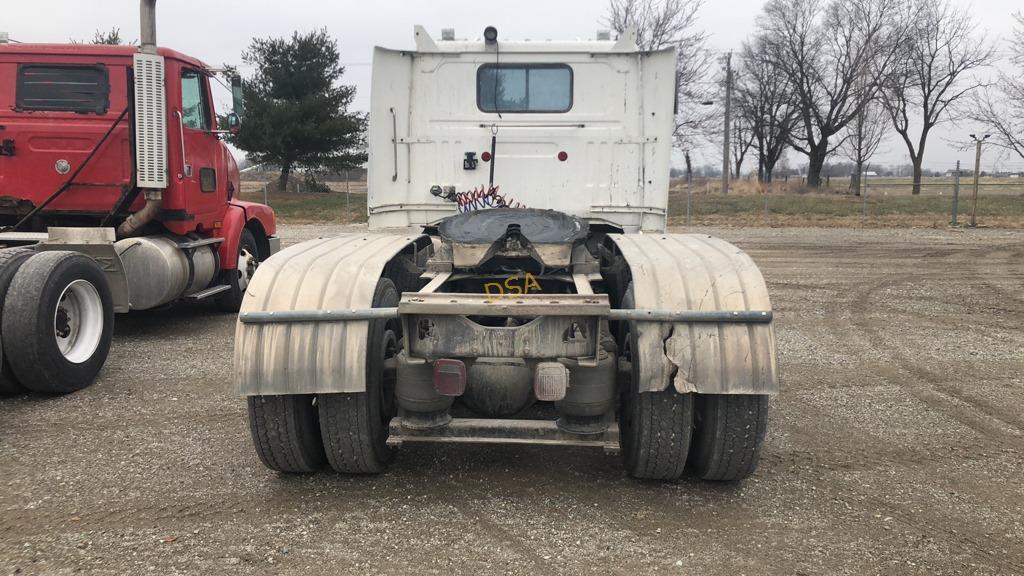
x=117, y=193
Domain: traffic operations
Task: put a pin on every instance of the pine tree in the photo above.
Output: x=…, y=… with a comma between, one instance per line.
x=295, y=111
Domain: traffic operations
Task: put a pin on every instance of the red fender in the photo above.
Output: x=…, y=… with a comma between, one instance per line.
x=238, y=216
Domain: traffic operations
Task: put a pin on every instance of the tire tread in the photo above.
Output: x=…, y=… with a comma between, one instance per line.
x=730, y=443
x=664, y=435
x=10, y=260
x=276, y=424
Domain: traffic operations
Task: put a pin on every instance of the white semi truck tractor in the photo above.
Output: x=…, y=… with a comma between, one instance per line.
x=516, y=284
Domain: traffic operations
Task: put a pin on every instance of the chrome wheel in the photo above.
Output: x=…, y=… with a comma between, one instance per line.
x=247, y=265
x=78, y=321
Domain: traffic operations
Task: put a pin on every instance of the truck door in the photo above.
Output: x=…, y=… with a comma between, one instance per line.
x=202, y=176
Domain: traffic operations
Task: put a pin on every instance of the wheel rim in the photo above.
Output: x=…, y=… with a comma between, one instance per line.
x=247, y=264
x=78, y=321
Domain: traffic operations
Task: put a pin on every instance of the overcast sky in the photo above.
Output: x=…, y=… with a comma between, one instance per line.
x=217, y=31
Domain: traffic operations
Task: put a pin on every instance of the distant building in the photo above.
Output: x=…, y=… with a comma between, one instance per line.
x=963, y=172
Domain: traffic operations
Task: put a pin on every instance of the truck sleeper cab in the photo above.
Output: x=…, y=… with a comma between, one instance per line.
x=517, y=283
x=114, y=180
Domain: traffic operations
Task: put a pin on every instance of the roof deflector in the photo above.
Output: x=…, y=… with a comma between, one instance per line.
x=424, y=43
x=627, y=41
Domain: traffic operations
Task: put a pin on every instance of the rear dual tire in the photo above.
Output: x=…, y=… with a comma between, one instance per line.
x=722, y=445
x=718, y=437
x=11, y=260
x=59, y=306
x=297, y=434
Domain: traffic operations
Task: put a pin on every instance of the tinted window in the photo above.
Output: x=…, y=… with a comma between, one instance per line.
x=194, y=111
x=524, y=88
x=63, y=88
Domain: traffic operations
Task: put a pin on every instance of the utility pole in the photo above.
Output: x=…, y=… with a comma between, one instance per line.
x=348, y=194
x=956, y=193
x=728, y=121
x=977, y=175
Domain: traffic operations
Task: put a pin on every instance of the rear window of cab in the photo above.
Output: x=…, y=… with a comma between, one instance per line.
x=524, y=88
x=84, y=89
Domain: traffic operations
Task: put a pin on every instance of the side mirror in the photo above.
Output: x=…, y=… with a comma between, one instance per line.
x=234, y=123
x=236, y=94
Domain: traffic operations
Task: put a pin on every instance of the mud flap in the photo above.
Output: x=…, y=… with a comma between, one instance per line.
x=312, y=357
x=699, y=272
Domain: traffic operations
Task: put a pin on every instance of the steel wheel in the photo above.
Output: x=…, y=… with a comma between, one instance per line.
x=238, y=279
x=247, y=265
x=78, y=321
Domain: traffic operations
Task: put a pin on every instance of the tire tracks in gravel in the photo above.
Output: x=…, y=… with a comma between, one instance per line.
x=995, y=426
x=938, y=394
x=133, y=514
x=940, y=397
x=956, y=532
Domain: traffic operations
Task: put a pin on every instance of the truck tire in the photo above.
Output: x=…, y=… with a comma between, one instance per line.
x=238, y=278
x=729, y=432
x=59, y=305
x=354, y=426
x=655, y=428
x=11, y=260
x=286, y=433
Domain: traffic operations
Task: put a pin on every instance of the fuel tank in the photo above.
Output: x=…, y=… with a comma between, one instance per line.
x=159, y=271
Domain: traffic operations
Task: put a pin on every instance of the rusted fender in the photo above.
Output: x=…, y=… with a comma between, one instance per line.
x=312, y=357
x=699, y=272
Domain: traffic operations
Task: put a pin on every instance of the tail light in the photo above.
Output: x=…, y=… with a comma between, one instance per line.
x=449, y=377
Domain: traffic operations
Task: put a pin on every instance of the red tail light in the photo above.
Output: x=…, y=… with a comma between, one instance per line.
x=449, y=377
x=486, y=156
x=563, y=156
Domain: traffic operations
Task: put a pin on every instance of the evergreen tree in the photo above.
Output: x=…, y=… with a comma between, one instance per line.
x=295, y=111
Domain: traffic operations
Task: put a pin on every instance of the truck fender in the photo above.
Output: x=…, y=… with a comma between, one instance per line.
x=698, y=272
x=241, y=215
x=334, y=273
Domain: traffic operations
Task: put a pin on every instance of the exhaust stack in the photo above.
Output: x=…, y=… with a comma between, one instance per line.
x=147, y=26
x=150, y=123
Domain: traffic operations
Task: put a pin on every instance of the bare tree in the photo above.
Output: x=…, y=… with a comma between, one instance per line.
x=866, y=133
x=930, y=78
x=1001, y=107
x=741, y=141
x=663, y=23
x=824, y=50
x=765, y=103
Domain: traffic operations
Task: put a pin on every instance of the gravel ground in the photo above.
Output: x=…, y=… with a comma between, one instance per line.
x=895, y=448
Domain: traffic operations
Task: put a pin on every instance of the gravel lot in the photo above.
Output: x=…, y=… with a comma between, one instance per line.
x=895, y=448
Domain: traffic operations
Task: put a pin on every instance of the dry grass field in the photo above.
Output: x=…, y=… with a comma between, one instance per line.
x=887, y=203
